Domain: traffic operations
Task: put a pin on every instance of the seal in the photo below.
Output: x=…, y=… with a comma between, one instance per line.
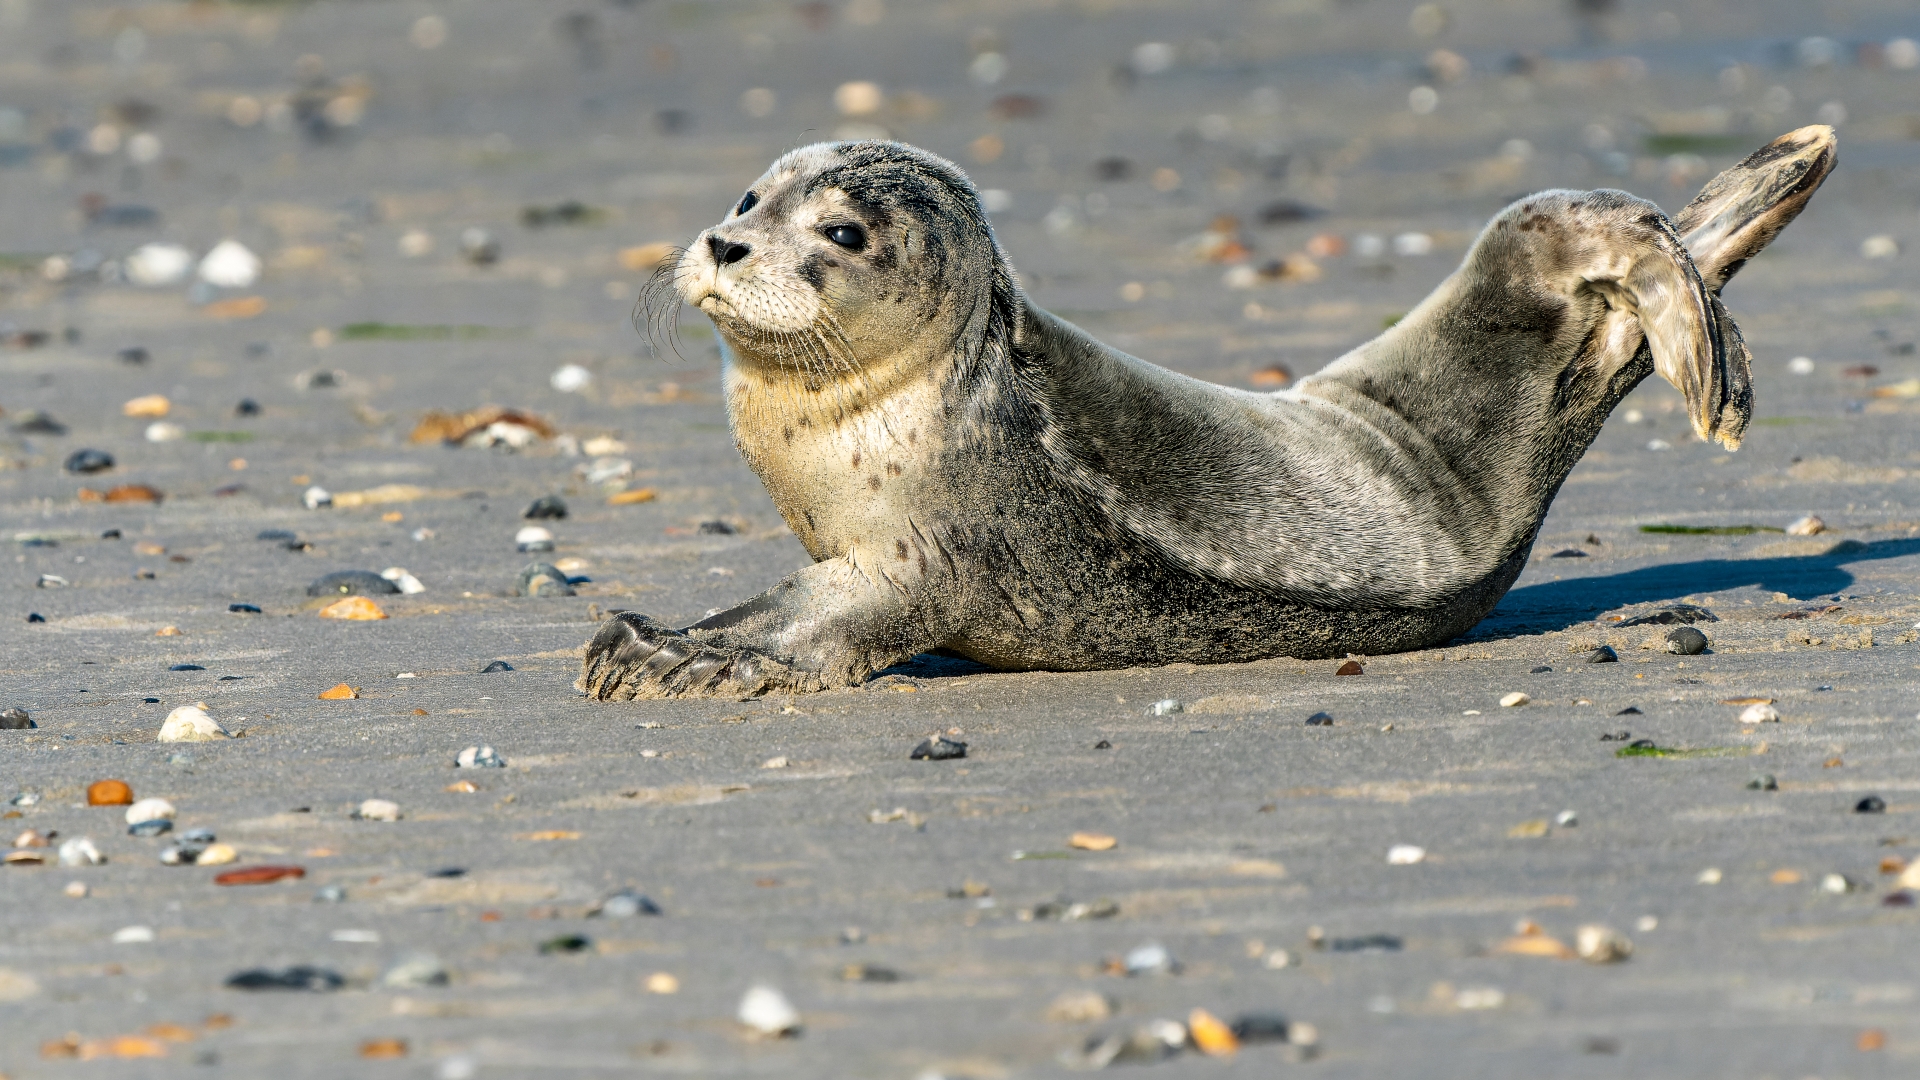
x=974, y=475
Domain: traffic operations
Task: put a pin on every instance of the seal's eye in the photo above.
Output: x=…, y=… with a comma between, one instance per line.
x=746, y=203
x=851, y=237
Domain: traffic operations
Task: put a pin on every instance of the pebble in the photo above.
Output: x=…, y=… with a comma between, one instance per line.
x=1686, y=641
x=180, y=854
x=316, y=497
x=150, y=810
x=546, y=508
x=89, y=461
x=77, y=890
x=1080, y=1007
x=1838, y=884
x=415, y=969
x=150, y=406
x=329, y=894
x=133, y=935
x=625, y=904
x=533, y=538
x=496, y=667
x=108, y=793
x=16, y=719
x=157, y=266
x=566, y=943
x=1278, y=959
x=1405, y=854
x=543, y=579
x=1762, y=782
x=768, y=1012
x=1210, y=1035
x=190, y=723
x=1351, y=667
x=1090, y=841
x=260, y=875
x=338, y=692
x=243, y=609
x=938, y=748
x=479, y=757
x=1166, y=707
x=779, y=762
x=1759, y=713
x=1599, y=944
x=378, y=810
x=1807, y=526
x=1710, y=876
x=571, y=379
x=230, y=266
x=299, y=977
x=1872, y=804
x=353, y=583
x=80, y=851
x=402, y=580
x=216, y=855
x=353, y=609
x=1320, y=719
x=1149, y=959
x=478, y=247
x=661, y=982
x=1514, y=700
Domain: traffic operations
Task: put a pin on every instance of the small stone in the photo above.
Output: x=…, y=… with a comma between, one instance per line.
x=478, y=247
x=1149, y=959
x=150, y=406
x=154, y=827
x=1762, y=782
x=1278, y=959
x=51, y=581
x=1210, y=1036
x=338, y=692
x=177, y=667
x=415, y=969
x=230, y=266
x=190, y=723
x=1166, y=707
x=533, y=538
x=80, y=851
x=1080, y=1007
x=150, y=810
x=216, y=855
x=625, y=904
x=479, y=757
x=133, y=935
x=1091, y=841
x=77, y=890
x=462, y=787
x=1603, y=655
x=570, y=379
x=496, y=667
x=260, y=875
x=353, y=609
x=1599, y=944
x=353, y=583
x=244, y=609
x=383, y=1049
x=1351, y=667
x=1320, y=719
x=16, y=719
x=1566, y=819
x=1807, y=526
x=109, y=793
x=300, y=977
x=1686, y=641
x=1271, y=1027
x=661, y=982
x=780, y=762
x=403, y=581
x=938, y=748
x=378, y=810
x=768, y=1012
x=1872, y=804
x=1542, y=670
x=1514, y=700
x=543, y=579
x=1837, y=884
x=316, y=497
x=89, y=461
x=545, y=508
x=1761, y=713
x=329, y=894
x=1405, y=854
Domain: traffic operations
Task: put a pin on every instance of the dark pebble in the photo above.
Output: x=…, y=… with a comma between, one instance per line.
x=230, y=678
x=244, y=609
x=89, y=461
x=110, y=534
x=186, y=667
x=1686, y=641
x=35, y=422
x=154, y=827
x=1603, y=655
x=1351, y=667
x=1260, y=1027
x=1286, y=212
x=151, y=700
x=543, y=579
x=1903, y=898
x=34, y=616
x=1872, y=804
x=717, y=528
x=247, y=407
x=197, y=836
x=134, y=354
x=1103, y=745
x=449, y=872
x=1366, y=943
x=1642, y=744
x=1678, y=613
x=15, y=719
x=626, y=904
x=546, y=507
x=1569, y=553
x=872, y=973
x=1631, y=710
x=300, y=977
x=1540, y=670
x=352, y=583
x=1763, y=782
x=1612, y=736
x=566, y=943
x=938, y=748
x=496, y=666
x=1320, y=719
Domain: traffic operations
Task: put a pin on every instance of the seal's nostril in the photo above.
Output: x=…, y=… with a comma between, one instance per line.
x=726, y=251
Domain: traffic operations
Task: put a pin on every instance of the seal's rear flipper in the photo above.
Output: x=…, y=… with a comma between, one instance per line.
x=1744, y=208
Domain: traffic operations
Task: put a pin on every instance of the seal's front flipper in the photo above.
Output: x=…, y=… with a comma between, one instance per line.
x=635, y=657
x=1743, y=209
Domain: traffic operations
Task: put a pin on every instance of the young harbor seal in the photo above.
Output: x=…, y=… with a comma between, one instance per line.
x=975, y=475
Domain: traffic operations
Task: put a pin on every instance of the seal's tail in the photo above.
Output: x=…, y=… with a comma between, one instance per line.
x=1734, y=216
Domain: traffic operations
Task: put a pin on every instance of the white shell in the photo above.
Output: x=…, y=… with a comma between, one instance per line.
x=150, y=810
x=768, y=1011
x=1405, y=854
x=1760, y=714
x=406, y=582
x=189, y=723
x=378, y=810
x=230, y=266
x=158, y=265
x=571, y=379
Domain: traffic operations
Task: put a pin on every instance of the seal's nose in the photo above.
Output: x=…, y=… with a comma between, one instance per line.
x=726, y=251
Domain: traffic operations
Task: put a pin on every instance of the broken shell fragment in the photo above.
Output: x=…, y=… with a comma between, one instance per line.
x=190, y=723
x=1599, y=944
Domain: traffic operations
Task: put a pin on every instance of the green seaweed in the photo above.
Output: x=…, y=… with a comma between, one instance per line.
x=1696, y=144
x=1710, y=530
x=220, y=436
x=381, y=331
x=1673, y=752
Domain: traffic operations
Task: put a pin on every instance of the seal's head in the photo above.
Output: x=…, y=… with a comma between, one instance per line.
x=844, y=255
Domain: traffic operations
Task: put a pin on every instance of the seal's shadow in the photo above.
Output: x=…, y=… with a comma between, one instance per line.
x=1558, y=605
